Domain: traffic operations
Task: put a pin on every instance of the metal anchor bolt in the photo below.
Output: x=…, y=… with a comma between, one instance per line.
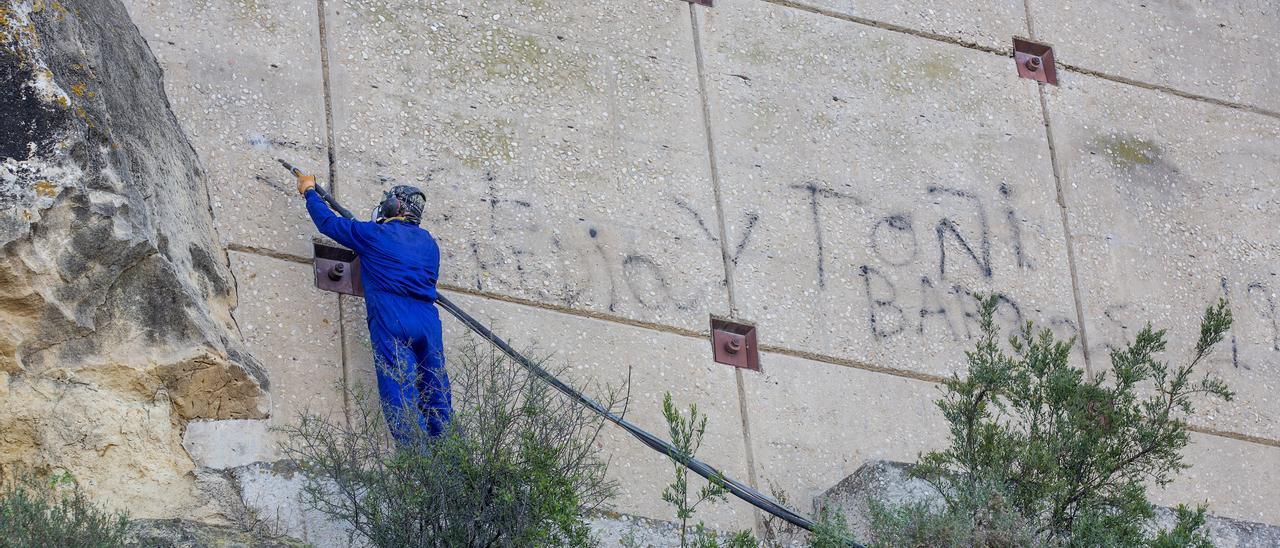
x=732, y=346
x=1033, y=64
x=337, y=272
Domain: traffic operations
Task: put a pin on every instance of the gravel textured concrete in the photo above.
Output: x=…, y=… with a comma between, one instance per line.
x=845, y=173
x=1224, y=50
x=1173, y=205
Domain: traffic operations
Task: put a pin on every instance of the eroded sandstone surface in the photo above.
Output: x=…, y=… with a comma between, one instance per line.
x=115, y=297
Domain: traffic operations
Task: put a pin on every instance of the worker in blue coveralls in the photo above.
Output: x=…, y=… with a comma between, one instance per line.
x=399, y=266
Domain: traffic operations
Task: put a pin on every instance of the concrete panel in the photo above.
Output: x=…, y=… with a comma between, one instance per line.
x=813, y=424
x=989, y=23
x=873, y=182
x=1235, y=478
x=1174, y=203
x=273, y=492
x=230, y=443
x=1223, y=49
x=292, y=327
x=358, y=346
x=245, y=82
x=563, y=149
x=597, y=351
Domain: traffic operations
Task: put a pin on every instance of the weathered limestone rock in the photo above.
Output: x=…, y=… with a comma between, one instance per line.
x=884, y=481
x=180, y=533
x=614, y=529
x=115, y=297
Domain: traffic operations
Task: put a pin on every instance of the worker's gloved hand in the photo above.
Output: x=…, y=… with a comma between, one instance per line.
x=305, y=183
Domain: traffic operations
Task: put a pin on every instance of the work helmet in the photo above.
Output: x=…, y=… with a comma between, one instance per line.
x=401, y=202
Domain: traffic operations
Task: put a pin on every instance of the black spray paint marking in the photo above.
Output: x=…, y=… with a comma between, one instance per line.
x=1113, y=314
x=878, y=305
x=752, y=219
x=929, y=292
x=816, y=192
x=522, y=274
x=696, y=217
x=1015, y=227
x=1058, y=322
x=480, y=264
x=893, y=240
x=572, y=292
x=494, y=201
x=635, y=268
x=970, y=314
x=1005, y=300
x=947, y=225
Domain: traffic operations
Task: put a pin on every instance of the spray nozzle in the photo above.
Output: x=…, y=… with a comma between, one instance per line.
x=294, y=170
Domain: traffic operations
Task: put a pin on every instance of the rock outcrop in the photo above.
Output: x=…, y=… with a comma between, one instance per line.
x=115, y=296
x=181, y=533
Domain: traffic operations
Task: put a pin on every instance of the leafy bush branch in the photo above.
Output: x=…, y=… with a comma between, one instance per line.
x=1042, y=453
x=519, y=466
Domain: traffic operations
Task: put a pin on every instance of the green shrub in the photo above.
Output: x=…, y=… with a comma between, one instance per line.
x=520, y=465
x=36, y=513
x=686, y=431
x=686, y=435
x=830, y=531
x=981, y=517
x=1041, y=453
x=1187, y=532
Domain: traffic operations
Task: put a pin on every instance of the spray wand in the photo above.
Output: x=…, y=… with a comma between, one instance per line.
x=324, y=194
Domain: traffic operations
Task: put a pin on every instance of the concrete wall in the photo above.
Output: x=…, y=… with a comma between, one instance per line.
x=605, y=175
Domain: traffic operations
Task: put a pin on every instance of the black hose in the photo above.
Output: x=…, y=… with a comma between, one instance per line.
x=333, y=202
x=328, y=198
x=746, y=493
x=755, y=498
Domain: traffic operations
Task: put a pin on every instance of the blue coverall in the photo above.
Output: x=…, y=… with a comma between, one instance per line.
x=399, y=265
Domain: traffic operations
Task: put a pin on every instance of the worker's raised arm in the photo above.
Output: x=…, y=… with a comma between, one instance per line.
x=327, y=222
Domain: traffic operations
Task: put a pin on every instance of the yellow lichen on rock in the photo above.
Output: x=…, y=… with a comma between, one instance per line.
x=45, y=188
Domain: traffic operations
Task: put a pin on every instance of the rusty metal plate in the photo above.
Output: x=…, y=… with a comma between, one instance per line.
x=337, y=269
x=1035, y=61
x=706, y=3
x=734, y=343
